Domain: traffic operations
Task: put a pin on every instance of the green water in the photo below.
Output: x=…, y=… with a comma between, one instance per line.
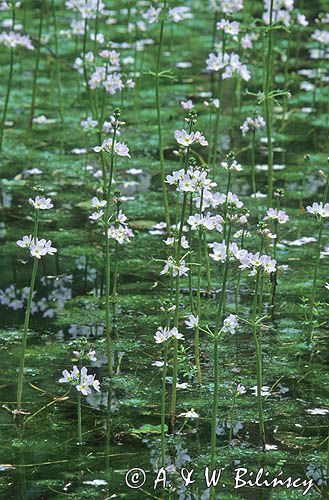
x=121, y=424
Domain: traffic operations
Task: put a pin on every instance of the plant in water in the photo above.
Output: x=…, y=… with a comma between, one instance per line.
x=82, y=381
x=114, y=225
x=253, y=124
x=38, y=248
x=11, y=40
x=321, y=212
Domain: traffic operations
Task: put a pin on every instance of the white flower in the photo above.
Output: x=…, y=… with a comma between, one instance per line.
x=25, y=242
x=301, y=19
x=96, y=203
x=41, y=203
x=162, y=335
x=185, y=139
x=255, y=123
x=241, y=389
x=192, y=321
x=269, y=265
x=319, y=209
x=92, y=355
x=219, y=251
x=152, y=15
x=119, y=148
x=187, y=104
x=230, y=324
x=177, y=14
x=89, y=123
x=38, y=248
x=96, y=215
x=175, y=334
x=171, y=266
x=233, y=165
x=275, y=214
x=195, y=221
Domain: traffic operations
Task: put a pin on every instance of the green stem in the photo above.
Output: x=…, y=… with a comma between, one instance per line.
x=253, y=171
x=163, y=407
x=198, y=298
x=108, y=263
x=36, y=69
x=315, y=276
x=5, y=109
x=79, y=418
x=232, y=418
x=268, y=108
x=219, y=316
x=176, y=317
x=259, y=368
x=96, y=27
x=27, y=320
x=237, y=289
x=219, y=97
x=58, y=71
x=158, y=107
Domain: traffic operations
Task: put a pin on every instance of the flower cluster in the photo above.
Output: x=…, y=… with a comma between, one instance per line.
x=80, y=379
x=164, y=334
x=207, y=221
x=89, y=124
x=230, y=324
x=191, y=181
x=13, y=40
x=41, y=203
x=255, y=123
x=229, y=28
x=275, y=214
x=231, y=165
x=321, y=36
x=230, y=63
x=119, y=148
x=185, y=139
x=86, y=8
x=121, y=234
x=175, y=14
x=38, y=248
x=319, y=209
x=175, y=269
x=281, y=11
x=247, y=259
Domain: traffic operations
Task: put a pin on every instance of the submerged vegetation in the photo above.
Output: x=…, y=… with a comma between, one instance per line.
x=164, y=236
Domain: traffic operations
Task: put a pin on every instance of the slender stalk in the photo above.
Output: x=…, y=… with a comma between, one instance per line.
x=219, y=316
x=259, y=367
x=268, y=108
x=219, y=97
x=198, y=298
x=237, y=289
x=5, y=108
x=108, y=263
x=158, y=107
x=36, y=68
x=232, y=418
x=163, y=406
x=79, y=410
x=315, y=276
x=27, y=319
x=176, y=317
x=57, y=65
x=253, y=171
x=96, y=28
